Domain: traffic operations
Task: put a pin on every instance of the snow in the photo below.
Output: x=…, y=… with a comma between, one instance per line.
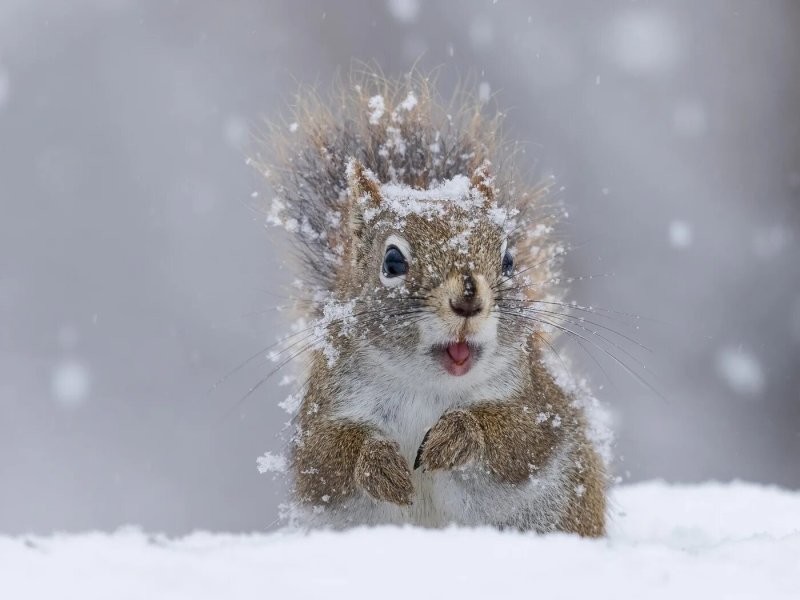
x=643, y=41
x=235, y=131
x=795, y=319
x=405, y=11
x=680, y=234
x=333, y=312
x=291, y=404
x=378, y=107
x=481, y=32
x=69, y=383
x=410, y=102
x=484, y=91
x=704, y=541
x=769, y=242
x=741, y=370
x=271, y=463
x=4, y=85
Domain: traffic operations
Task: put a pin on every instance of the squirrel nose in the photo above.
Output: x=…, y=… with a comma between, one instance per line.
x=466, y=307
x=468, y=303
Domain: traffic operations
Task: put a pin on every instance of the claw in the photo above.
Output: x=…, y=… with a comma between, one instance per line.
x=418, y=459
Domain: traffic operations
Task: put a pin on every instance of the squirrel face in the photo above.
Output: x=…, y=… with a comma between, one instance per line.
x=430, y=262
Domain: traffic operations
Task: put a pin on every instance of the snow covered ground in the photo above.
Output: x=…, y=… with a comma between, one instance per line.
x=666, y=541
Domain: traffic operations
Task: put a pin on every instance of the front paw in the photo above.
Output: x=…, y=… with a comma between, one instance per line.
x=382, y=472
x=454, y=440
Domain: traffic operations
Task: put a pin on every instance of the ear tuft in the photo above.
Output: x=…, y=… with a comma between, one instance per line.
x=482, y=181
x=362, y=182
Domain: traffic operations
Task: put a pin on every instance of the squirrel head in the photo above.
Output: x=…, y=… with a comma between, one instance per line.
x=427, y=265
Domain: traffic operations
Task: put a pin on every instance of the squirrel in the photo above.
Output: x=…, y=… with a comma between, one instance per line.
x=423, y=256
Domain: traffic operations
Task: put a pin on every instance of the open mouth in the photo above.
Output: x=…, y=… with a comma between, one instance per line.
x=457, y=358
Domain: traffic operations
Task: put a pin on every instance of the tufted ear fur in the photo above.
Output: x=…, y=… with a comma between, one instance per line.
x=364, y=199
x=362, y=183
x=482, y=181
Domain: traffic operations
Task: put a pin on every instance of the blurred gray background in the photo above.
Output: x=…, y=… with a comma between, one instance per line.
x=134, y=272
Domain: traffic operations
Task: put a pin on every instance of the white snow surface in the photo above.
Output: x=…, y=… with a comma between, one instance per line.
x=704, y=541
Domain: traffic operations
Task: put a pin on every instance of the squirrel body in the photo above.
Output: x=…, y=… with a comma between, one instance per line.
x=429, y=399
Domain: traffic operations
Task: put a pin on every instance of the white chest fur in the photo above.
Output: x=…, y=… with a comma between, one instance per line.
x=469, y=496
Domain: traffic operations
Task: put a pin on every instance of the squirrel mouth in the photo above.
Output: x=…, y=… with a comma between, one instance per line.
x=457, y=357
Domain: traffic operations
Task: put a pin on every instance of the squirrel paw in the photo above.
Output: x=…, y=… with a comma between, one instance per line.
x=382, y=472
x=454, y=440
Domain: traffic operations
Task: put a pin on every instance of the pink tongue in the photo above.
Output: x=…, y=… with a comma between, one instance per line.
x=459, y=352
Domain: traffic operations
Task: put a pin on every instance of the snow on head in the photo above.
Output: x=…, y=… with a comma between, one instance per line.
x=403, y=200
x=400, y=201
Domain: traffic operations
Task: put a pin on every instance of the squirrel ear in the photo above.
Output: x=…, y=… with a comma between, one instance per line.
x=483, y=182
x=362, y=182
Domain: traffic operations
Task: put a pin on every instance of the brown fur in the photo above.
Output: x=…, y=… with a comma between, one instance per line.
x=456, y=439
x=383, y=473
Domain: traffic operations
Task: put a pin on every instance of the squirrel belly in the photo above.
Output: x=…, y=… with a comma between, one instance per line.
x=427, y=266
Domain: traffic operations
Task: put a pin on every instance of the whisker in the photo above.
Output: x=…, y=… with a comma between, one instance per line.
x=586, y=308
x=287, y=338
x=553, y=280
x=311, y=345
x=506, y=278
x=576, y=320
x=616, y=359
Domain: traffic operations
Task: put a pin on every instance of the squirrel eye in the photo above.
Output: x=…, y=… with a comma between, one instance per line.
x=508, y=264
x=394, y=263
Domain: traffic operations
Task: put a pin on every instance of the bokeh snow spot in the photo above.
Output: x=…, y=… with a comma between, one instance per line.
x=795, y=320
x=769, y=242
x=481, y=32
x=740, y=370
x=405, y=11
x=235, y=131
x=484, y=92
x=642, y=41
x=70, y=382
x=680, y=234
x=4, y=85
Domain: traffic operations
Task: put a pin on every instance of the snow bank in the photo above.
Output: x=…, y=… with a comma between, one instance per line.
x=708, y=541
